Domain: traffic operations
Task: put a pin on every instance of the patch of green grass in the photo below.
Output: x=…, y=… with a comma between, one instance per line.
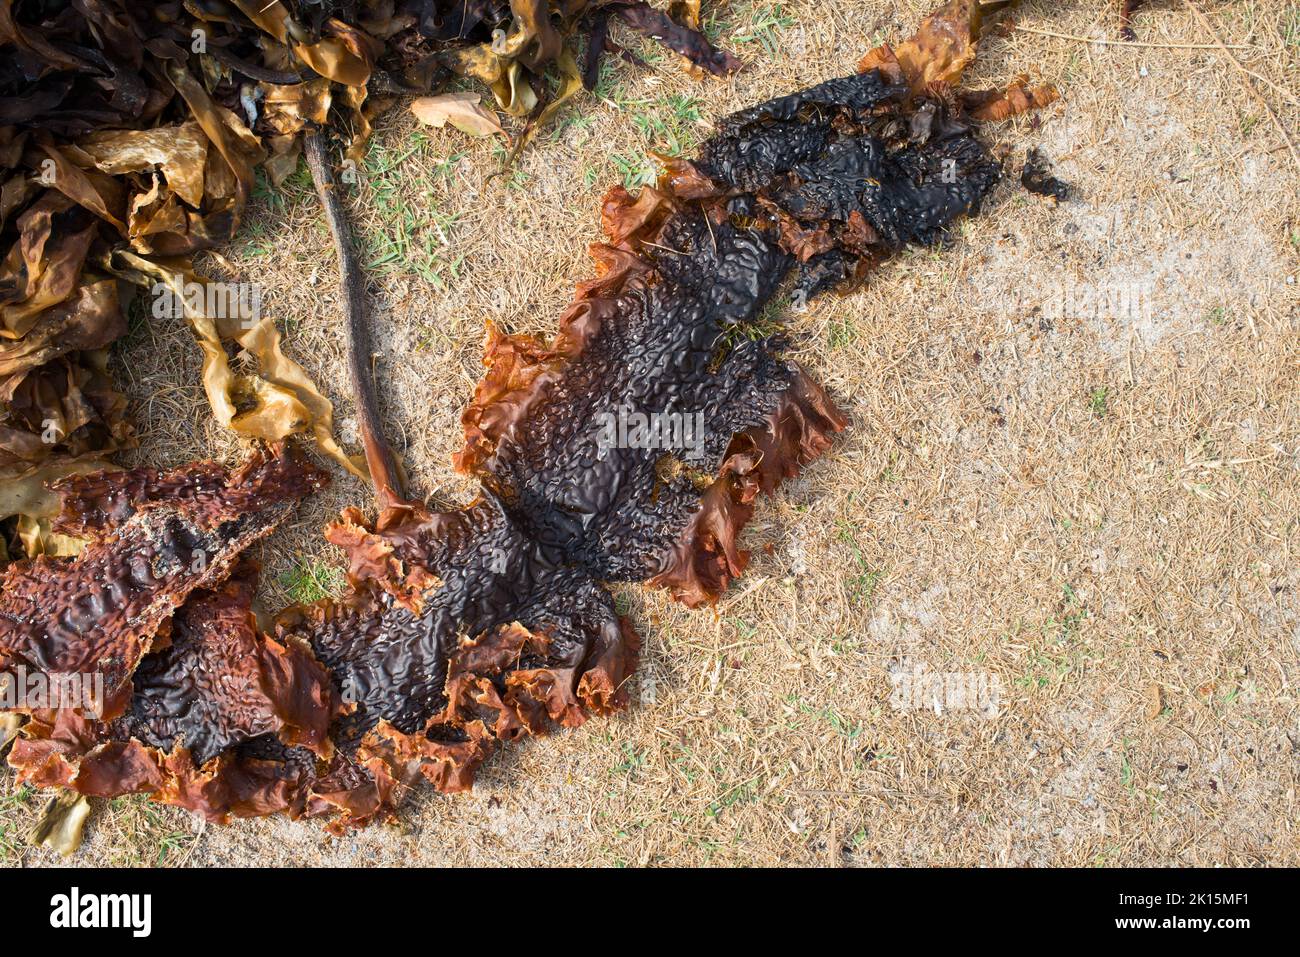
x=687, y=763
x=266, y=194
x=841, y=725
x=743, y=628
x=650, y=52
x=254, y=239
x=840, y=334
x=743, y=793
x=764, y=22
x=1066, y=628
x=611, y=81
x=1125, y=766
x=708, y=846
x=160, y=834
x=863, y=584
x=845, y=643
x=634, y=171
x=20, y=797
x=632, y=760
x=173, y=844
x=1064, y=653
x=891, y=474
x=608, y=82
x=1046, y=670
x=627, y=831
x=670, y=124
x=310, y=581
x=408, y=238
x=514, y=178
x=1097, y=401
x=768, y=323
x=770, y=320
x=441, y=167
x=16, y=803
x=1103, y=857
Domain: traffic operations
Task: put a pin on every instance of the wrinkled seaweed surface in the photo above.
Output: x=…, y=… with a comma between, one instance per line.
x=155, y=538
x=132, y=135
x=460, y=629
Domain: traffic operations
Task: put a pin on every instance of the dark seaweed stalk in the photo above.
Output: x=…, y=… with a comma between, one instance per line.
x=379, y=457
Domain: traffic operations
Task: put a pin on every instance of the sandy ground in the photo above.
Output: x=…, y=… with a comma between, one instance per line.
x=1069, y=499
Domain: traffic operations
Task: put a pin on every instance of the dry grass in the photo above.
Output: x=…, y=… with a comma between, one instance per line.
x=1099, y=515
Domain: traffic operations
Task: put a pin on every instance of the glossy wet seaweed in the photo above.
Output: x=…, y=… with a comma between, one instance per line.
x=464, y=628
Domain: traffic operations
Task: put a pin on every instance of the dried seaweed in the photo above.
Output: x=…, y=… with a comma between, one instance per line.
x=681, y=38
x=130, y=137
x=198, y=713
x=154, y=538
x=194, y=682
x=124, y=150
x=61, y=823
x=464, y=628
x=1036, y=176
x=1126, y=10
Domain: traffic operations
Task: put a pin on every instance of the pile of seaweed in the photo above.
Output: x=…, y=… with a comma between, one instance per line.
x=130, y=138
x=465, y=628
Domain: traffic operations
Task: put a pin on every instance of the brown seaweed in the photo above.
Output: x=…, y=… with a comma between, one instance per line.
x=1036, y=176
x=464, y=628
x=678, y=37
x=131, y=136
x=154, y=539
x=196, y=705
x=1126, y=10
x=149, y=608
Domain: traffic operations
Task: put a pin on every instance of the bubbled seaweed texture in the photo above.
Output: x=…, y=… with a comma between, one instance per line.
x=609, y=507
x=154, y=539
x=464, y=628
x=149, y=608
x=693, y=264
